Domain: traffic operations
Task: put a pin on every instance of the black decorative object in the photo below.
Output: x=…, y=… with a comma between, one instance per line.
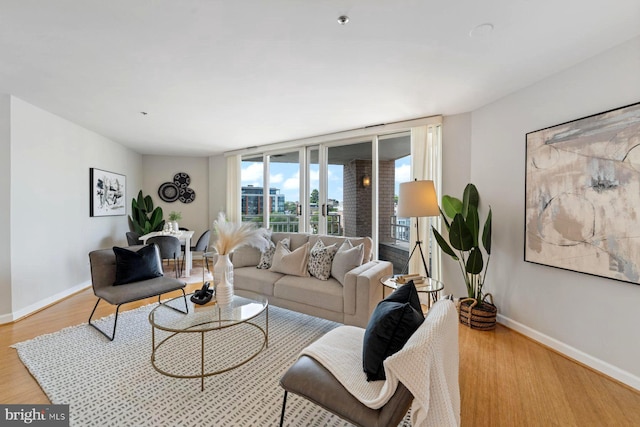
x=187, y=195
x=178, y=189
x=182, y=180
x=203, y=295
x=169, y=192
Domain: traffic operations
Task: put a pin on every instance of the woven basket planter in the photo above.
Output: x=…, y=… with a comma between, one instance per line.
x=478, y=316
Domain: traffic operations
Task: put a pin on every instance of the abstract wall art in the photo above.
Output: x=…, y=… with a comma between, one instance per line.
x=582, y=208
x=108, y=193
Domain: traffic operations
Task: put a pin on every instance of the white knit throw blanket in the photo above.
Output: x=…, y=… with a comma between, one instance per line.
x=427, y=365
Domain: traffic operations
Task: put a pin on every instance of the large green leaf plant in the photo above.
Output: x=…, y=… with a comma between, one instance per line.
x=462, y=221
x=144, y=218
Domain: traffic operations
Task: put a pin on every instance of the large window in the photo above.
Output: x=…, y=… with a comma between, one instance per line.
x=271, y=190
x=345, y=187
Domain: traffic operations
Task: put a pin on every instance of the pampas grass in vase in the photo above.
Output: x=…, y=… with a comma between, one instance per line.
x=231, y=236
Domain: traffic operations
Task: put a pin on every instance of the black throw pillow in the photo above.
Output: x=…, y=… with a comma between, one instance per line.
x=136, y=266
x=406, y=293
x=391, y=325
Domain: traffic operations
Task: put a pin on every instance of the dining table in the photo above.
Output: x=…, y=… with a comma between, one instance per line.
x=184, y=236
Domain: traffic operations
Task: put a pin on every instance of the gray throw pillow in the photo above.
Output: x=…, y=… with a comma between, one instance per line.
x=320, y=259
x=346, y=259
x=266, y=259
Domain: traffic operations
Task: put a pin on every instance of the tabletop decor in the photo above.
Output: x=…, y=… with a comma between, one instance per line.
x=230, y=236
x=462, y=221
x=582, y=195
x=174, y=217
x=108, y=192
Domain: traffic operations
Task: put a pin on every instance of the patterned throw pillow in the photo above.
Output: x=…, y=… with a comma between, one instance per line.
x=320, y=259
x=266, y=259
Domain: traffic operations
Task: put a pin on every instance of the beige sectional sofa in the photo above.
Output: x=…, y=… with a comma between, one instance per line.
x=351, y=303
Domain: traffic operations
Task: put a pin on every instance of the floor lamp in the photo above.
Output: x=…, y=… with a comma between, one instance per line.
x=417, y=199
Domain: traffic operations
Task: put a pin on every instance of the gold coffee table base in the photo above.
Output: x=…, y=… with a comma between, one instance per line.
x=203, y=375
x=209, y=326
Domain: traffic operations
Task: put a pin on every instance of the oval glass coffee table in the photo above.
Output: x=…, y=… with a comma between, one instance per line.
x=206, y=319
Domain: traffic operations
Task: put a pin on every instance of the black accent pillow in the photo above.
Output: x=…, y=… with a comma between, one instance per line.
x=136, y=266
x=406, y=293
x=391, y=325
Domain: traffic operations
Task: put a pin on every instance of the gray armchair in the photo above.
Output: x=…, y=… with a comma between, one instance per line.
x=309, y=379
x=103, y=274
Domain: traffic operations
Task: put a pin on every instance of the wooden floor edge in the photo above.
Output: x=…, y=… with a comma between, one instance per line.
x=584, y=365
x=45, y=307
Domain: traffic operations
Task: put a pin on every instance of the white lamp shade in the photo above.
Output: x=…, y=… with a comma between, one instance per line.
x=417, y=198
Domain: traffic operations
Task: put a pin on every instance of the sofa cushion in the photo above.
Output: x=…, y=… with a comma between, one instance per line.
x=135, y=266
x=338, y=240
x=346, y=259
x=391, y=325
x=291, y=262
x=320, y=259
x=311, y=291
x=266, y=259
x=255, y=280
x=245, y=256
x=295, y=239
x=406, y=293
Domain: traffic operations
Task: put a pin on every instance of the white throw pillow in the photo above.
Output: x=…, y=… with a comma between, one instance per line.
x=288, y=262
x=346, y=259
x=320, y=259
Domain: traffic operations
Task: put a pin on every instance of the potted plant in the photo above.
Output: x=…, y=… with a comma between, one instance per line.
x=144, y=218
x=462, y=221
x=174, y=217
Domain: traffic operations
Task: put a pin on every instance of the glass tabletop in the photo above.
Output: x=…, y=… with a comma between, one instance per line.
x=429, y=284
x=206, y=317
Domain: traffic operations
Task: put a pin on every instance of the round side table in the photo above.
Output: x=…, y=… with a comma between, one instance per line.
x=431, y=287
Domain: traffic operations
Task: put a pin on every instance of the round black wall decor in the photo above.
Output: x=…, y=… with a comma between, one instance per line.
x=187, y=195
x=169, y=192
x=182, y=180
x=177, y=190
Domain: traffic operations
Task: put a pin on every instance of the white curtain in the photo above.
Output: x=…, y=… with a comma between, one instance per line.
x=234, y=188
x=426, y=163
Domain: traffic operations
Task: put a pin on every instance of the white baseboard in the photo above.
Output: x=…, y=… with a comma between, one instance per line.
x=578, y=355
x=7, y=318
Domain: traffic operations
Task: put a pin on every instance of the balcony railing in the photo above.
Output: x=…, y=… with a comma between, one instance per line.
x=288, y=223
x=399, y=231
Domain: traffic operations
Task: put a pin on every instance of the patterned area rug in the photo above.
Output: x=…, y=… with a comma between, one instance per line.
x=113, y=383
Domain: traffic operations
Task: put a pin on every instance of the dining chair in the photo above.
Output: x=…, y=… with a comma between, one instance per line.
x=169, y=249
x=133, y=238
x=201, y=246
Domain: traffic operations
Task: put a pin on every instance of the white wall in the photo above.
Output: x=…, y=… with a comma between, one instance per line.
x=592, y=319
x=157, y=170
x=5, y=211
x=456, y=174
x=217, y=186
x=51, y=230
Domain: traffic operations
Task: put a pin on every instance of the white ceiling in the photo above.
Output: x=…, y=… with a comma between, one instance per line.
x=222, y=75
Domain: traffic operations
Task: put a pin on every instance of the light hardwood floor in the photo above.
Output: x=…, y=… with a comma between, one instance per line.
x=505, y=378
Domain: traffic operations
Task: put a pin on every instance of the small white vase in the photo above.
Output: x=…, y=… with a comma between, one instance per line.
x=223, y=279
